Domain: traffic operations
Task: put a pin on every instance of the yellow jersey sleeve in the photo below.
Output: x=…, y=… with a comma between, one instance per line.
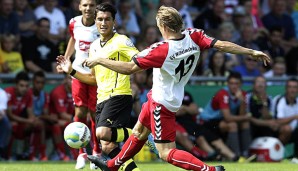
x=127, y=48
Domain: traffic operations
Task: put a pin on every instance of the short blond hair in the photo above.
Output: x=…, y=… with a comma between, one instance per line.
x=169, y=17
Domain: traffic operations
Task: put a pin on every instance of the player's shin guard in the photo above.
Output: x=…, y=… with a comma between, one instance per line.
x=120, y=134
x=129, y=165
x=130, y=148
x=187, y=161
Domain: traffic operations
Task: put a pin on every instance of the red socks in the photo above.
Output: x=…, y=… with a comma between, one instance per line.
x=95, y=143
x=198, y=152
x=130, y=148
x=187, y=161
x=176, y=157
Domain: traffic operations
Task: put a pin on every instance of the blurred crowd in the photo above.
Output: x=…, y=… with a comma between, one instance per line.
x=34, y=32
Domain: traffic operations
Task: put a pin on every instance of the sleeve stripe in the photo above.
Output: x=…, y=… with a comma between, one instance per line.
x=136, y=61
x=213, y=42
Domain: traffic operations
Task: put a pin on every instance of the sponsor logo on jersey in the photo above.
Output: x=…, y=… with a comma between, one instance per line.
x=172, y=57
x=129, y=43
x=84, y=46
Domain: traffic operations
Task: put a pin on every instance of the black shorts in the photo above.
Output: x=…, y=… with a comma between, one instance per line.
x=262, y=131
x=213, y=126
x=196, y=130
x=114, y=112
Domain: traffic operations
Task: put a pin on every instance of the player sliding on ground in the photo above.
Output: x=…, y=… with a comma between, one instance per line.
x=173, y=61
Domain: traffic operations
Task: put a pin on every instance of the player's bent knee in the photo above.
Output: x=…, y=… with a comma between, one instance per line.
x=163, y=154
x=141, y=135
x=232, y=126
x=103, y=133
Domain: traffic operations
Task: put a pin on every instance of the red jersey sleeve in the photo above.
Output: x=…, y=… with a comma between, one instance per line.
x=201, y=39
x=10, y=95
x=29, y=99
x=58, y=101
x=152, y=57
x=71, y=27
x=221, y=100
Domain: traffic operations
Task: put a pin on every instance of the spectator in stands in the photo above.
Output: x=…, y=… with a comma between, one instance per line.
x=226, y=114
x=137, y=9
x=260, y=107
x=285, y=106
x=250, y=68
x=293, y=13
x=266, y=6
x=247, y=39
x=182, y=7
x=270, y=42
x=216, y=67
x=278, y=70
x=227, y=32
x=239, y=19
x=26, y=17
x=20, y=112
x=41, y=112
x=4, y=124
x=38, y=51
x=167, y=3
x=62, y=110
x=230, y=6
x=56, y=18
x=278, y=17
x=210, y=19
x=292, y=62
x=149, y=9
x=150, y=35
x=126, y=17
x=186, y=117
x=8, y=19
x=12, y=61
x=256, y=20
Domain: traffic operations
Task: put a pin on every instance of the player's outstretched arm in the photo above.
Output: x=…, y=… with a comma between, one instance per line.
x=230, y=47
x=126, y=68
x=65, y=65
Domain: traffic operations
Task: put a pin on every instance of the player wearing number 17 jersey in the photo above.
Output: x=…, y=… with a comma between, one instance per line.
x=173, y=62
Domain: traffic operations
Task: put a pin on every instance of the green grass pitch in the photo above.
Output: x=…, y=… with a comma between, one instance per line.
x=157, y=166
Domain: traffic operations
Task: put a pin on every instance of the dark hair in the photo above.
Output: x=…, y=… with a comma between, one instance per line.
x=211, y=64
x=22, y=76
x=42, y=19
x=106, y=7
x=276, y=28
x=291, y=79
x=235, y=75
x=38, y=74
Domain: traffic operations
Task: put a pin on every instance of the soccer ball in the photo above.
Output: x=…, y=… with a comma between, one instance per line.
x=267, y=149
x=77, y=135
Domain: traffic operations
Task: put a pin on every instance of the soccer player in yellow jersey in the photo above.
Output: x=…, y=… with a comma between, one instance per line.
x=114, y=95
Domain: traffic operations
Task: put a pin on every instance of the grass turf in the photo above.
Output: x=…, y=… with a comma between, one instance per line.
x=62, y=166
